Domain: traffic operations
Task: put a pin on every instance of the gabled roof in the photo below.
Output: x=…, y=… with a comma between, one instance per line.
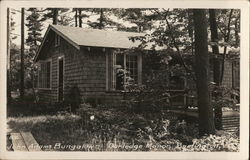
x=94, y=37
x=97, y=37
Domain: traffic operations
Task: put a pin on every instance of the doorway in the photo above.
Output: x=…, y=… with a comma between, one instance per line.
x=60, y=79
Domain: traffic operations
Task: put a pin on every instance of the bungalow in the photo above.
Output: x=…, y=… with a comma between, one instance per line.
x=91, y=58
x=86, y=57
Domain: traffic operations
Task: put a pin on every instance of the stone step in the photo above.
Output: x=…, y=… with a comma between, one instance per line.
x=24, y=141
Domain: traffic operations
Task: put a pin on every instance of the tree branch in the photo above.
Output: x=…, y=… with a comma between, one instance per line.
x=174, y=41
x=226, y=39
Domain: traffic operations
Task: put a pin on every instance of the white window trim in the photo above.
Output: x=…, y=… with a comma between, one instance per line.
x=38, y=78
x=111, y=77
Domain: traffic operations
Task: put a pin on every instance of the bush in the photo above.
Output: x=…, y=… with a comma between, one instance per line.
x=214, y=143
x=94, y=101
x=146, y=98
x=73, y=98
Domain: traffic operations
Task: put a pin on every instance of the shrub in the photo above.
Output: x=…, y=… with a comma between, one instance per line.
x=214, y=143
x=73, y=98
x=94, y=101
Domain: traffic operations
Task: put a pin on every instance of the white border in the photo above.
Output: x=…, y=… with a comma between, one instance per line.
x=244, y=75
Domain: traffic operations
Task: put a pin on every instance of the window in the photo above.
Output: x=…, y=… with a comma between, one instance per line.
x=57, y=40
x=44, y=75
x=132, y=68
x=125, y=71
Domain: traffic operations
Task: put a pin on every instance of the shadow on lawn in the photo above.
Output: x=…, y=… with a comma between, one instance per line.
x=48, y=130
x=26, y=108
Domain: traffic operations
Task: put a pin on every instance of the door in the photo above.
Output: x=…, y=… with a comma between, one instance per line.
x=60, y=79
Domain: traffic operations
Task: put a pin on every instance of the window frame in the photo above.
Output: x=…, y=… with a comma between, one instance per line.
x=110, y=69
x=60, y=57
x=38, y=77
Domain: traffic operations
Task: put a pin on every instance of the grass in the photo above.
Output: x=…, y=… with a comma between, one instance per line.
x=110, y=129
x=115, y=130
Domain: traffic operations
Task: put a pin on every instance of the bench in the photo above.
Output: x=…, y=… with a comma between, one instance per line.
x=24, y=141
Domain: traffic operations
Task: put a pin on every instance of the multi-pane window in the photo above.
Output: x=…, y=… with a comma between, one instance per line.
x=132, y=68
x=44, y=75
x=125, y=71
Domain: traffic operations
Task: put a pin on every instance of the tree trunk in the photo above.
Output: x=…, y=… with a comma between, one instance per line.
x=76, y=12
x=236, y=33
x=226, y=39
x=80, y=18
x=101, y=19
x=215, y=48
x=55, y=16
x=22, y=56
x=216, y=68
x=9, y=58
x=206, y=118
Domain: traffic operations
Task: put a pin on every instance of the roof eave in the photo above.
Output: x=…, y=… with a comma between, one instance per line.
x=59, y=33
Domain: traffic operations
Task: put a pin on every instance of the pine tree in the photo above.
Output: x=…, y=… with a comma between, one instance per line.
x=82, y=15
x=216, y=66
x=22, y=56
x=33, y=40
x=206, y=120
x=34, y=26
x=104, y=20
x=136, y=16
x=64, y=17
x=52, y=13
x=8, y=58
x=76, y=16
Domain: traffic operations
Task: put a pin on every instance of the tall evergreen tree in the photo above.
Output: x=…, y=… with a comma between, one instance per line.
x=8, y=58
x=33, y=40
x=103, y=20
x=136, y=16
x=64, y=17
x=206, y=120
x=82, y=15
x=216, y=66
x=76, y=16
x=22, y=56
x=52, y=13
x=34, y=26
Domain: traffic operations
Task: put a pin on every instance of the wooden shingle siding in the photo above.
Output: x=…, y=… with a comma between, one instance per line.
x=85, y=70
x=53, y=53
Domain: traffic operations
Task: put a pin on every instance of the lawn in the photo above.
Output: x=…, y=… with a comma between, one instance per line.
x=109, y=129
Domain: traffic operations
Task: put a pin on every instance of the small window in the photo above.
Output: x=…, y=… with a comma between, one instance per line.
x=57, y=40
x=44, y=75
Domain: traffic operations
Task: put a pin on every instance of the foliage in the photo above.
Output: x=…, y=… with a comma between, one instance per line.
x=73, y=98
x=214, y=143
x=114, y=130
x=234, y=25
